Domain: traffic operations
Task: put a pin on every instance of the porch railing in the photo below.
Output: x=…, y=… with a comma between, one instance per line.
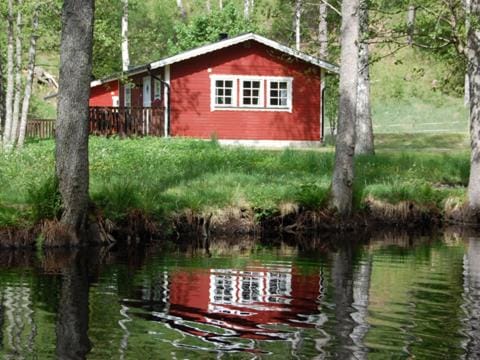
x=139, y=121
x=40, y=128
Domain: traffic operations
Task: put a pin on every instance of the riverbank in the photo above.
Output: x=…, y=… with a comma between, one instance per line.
x=170, y=186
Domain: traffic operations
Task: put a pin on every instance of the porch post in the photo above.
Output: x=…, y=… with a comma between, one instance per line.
x=166, y=97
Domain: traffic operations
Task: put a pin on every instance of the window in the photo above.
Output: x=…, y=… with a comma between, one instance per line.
x=279, y=93
x=252, y=93
x=128, y=95
x=224, y=93
x=248, y=93
x=157, y=90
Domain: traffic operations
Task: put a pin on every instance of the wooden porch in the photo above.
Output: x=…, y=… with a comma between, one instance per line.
x=109, y=121
x=131, y=121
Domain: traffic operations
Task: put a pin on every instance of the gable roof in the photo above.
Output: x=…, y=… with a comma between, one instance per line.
x=238, y=40
x=222, y=44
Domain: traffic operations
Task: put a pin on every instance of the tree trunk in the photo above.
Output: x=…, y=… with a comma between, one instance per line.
x=343, y=174
x=125, y=54
x=208, y=6
x=246, y=9
x=18, y=77
x=297, y=24
x=72, y=320
x=323, y=32
x=71, y=153
x=10, y=79
x=220, y=4
x=364, y=132
x=181, y=8
x=29, y=80
x=411, y=18
x=468, y=9
x=473, y=53
x=2, y=100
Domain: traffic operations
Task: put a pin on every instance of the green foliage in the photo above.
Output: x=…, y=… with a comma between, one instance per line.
x=166, y=176
x=44, y=200
x=207, y=28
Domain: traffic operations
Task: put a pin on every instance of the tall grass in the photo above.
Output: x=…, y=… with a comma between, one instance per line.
x=166, y=176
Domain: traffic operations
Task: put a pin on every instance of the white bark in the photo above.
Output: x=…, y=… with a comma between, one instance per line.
x=10, y=78
x=208, y=6
x=246, y=9
x=297, y=24
x=473, y=54
x=343, y=174
x=411, y=18
x=364, y=131
x=468, y=9
x=220, y=4
x=181, y=8
x=29, y=80
x=323, y=32
x=18, y=78
x=125, y=53
x=2, y=100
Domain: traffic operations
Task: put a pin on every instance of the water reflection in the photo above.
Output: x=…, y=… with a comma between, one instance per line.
x=395, y=296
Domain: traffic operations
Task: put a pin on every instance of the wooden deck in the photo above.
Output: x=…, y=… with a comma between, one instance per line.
x=109, y=121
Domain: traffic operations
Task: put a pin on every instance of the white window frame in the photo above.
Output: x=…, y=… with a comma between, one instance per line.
x=157, y=89
x=213, y=95
x=237, y=93
x=127, y=95
x=287, y=80
x=261, y=92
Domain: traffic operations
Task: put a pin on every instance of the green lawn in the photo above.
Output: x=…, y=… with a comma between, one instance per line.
x=167, y=176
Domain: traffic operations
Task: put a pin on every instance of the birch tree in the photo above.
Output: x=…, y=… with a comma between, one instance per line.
x=71, y=152
x=18, y=76
x=2, y=99
x=473, y=56
x=10, y=78
x=364, y=129
x=125, y=54
x=297, y=24
x=323, y=31
x=343, y=173
x=181, y=8
x=246, y=9
x=29, y=81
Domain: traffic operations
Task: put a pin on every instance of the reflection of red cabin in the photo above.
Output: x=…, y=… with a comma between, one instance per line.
x=245, y=301
x=246, y=89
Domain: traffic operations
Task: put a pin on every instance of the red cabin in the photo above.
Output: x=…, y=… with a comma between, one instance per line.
x=243, y=90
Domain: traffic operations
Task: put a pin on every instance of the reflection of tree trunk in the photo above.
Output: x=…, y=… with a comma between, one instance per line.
x=342, y=268
x=361, y=288
x=72, y=319
x=472, y=298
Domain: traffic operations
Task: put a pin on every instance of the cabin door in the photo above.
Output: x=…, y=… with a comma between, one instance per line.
x=147, y=91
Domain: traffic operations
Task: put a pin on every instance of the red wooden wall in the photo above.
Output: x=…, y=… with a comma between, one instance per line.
x=101, y=95
x=191, y=115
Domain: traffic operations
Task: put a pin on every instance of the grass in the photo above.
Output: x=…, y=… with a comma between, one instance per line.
x=166, y=176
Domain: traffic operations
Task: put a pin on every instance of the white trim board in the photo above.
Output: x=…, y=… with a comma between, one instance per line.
x=272, y=144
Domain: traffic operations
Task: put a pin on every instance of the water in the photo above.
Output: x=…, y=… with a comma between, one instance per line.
x=394, y=296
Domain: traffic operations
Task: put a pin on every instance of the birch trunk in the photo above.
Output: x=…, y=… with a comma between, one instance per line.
x=468, y=9
x=364, y=132
x=323, y=32
x=125, y=54
x=2, y=100
x=10, y=78
x=246, y=9
x=208, y=6
x=18, y=78
x=411, y=18
x=473, y=54
x=181, y=8
x=29, y=81
x=71, y=153
x=297, y=24
x=343, y=174
x=220, y=4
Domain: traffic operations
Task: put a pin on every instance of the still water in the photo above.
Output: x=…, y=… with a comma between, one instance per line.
x=392, y=296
